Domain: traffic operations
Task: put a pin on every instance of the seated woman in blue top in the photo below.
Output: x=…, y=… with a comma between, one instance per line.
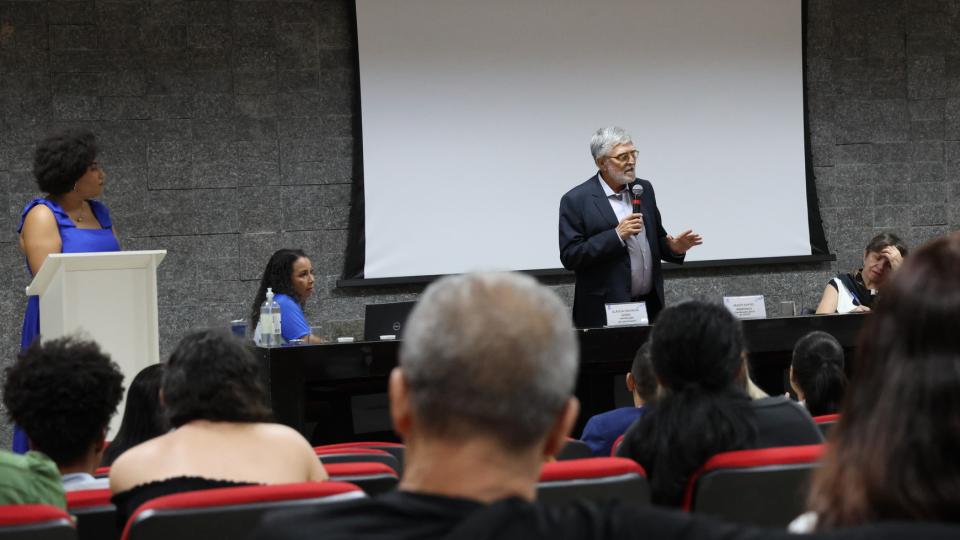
x=290, y=274
x=67, y=219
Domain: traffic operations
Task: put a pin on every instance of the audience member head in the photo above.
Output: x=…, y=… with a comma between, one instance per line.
x=641, y=380
x=893, y=453
x=697, y=351
x=288, y=272
x=877, y=263
x=488, y=356
x=816, y=372
x=62, y=393
x=212, y=376
x=143, y=416
x=63, y=158
x=697, y=347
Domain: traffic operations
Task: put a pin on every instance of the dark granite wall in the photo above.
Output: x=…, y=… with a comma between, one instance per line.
x=227, y=132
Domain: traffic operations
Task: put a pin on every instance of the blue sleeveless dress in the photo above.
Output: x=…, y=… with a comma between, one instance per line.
x=74, y=240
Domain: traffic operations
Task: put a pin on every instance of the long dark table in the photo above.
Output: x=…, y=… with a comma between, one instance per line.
x=315, y=388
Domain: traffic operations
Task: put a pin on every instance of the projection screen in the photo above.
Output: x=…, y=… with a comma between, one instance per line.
x=476, y=118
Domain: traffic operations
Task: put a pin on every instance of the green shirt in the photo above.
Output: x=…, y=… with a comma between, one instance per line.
x=32, y=478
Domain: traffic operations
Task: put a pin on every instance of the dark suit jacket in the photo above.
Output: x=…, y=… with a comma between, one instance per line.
x=590, y=246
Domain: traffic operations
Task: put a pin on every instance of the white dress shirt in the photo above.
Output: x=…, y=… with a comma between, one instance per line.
x=641, y=271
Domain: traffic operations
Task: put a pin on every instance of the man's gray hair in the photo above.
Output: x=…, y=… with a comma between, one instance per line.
x=491, y=353
x=606, y=138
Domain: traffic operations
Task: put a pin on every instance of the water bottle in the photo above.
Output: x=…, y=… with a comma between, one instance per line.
x=270, y=335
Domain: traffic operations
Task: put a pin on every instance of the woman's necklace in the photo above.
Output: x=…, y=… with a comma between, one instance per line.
x=79, y=217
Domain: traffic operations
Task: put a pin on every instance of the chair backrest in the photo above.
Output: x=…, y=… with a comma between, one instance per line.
x=574, y=449
x=396, y=449
x=616, y=446
x=96, y=515
x=373, y=478
x=35, y=522
x=765, y=487
x=597, y=478
x=226, y=512
x=352, y=455
x=826, y=422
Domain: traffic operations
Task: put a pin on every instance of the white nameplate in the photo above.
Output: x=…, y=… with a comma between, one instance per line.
x=627, y=314
x=746, y=307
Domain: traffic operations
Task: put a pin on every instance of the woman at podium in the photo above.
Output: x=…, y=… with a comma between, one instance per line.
x=67, y=219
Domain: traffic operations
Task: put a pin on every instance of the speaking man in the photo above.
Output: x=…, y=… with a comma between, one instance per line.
x=614, y=250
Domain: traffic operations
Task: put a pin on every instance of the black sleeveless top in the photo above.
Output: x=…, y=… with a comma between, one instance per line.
x=128, y=501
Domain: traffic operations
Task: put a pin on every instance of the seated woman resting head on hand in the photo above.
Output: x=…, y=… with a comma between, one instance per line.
x=848, y=293
x=222, y=433
x=289, y=273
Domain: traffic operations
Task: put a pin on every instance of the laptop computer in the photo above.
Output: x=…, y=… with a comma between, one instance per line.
x=385, y=319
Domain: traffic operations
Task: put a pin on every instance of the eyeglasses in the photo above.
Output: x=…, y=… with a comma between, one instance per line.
x=624, y=157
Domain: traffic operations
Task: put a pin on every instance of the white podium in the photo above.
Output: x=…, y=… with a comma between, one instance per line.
x=108, y=297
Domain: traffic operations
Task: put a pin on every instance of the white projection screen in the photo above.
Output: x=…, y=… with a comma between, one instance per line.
x=477, y=117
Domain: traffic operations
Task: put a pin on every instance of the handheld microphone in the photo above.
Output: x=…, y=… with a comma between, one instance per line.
x=637, y=191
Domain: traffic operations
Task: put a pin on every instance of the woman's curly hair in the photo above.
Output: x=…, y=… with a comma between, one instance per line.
x=62, y=158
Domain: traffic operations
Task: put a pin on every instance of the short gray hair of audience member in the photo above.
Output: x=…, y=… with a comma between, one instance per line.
x=489, y=353
x=606, y=138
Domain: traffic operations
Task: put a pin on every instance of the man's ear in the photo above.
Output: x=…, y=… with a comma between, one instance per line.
x=557, y=436
x=400, y=403
x=631, y=384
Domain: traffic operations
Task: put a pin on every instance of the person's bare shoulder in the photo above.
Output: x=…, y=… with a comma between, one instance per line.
x=129, y=469
x=288, y=442
x=39, y=224
x=40, y=214
x=280, y=434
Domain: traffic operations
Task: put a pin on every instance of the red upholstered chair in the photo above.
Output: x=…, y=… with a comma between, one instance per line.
x=226, y=512
x=597, y=478
x=352, y=455
x=35, y=522
x=372, y=478
x=96, y=515
x=616, y=446
x=396, y=449
x=574, y=449
x=765, y=487
x=825, y=422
